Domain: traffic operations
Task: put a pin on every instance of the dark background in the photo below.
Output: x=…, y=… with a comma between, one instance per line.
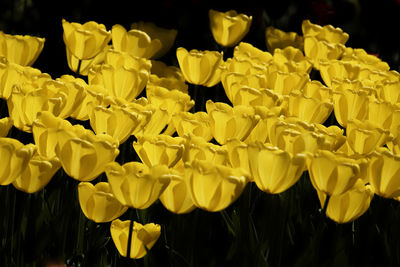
x=372, y=25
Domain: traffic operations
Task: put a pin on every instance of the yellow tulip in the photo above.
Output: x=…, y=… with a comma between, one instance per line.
x=349, y=105
x=230, y=122
x=384, y=173
x=382, y=113
x=321, y=51
x=197, y=124
x=136, y=185
x=20, y=49
x=233, y=82
x=332, y=173
x=239, y=157
x=83, y=155
x=143, y=237
x=5, y=126
x=247, y=50
x=37, y=174
x=166, y=36
x=116, y=121
x=159, y=149
x=333, y=136
x=85, y=41
x=284, y=82
x=15, y=158
x=274, y=170
x=350, y=205
x=339, y=70
x=196, y=148
x=327, y=33
x=135, y=42
x=254, y=97
x=390, y=91
x=276, y=38
x=84, y=65
x=121, y=81
x=213, y=187
x=228, y=28
x=98, y=203
x=176, y=197
x=290, y=59
x=200, y=67
x=244, y=65
x=360, y=56
x=315, y=89
x=170, y=77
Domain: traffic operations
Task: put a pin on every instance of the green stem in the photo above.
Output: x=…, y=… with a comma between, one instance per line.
x=228, y=222
x=128, y=252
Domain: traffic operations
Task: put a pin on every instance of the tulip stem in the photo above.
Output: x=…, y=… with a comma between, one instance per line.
x=128, y=252
x=228, y=222
x=78, y=69
x=325, y=204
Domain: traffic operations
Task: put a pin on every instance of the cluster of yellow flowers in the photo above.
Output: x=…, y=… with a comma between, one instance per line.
x=271, y=134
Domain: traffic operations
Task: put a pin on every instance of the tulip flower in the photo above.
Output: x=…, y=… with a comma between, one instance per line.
x=384, y=173
x=143, y=237
x=83, y=155
x=382, y=113
x=254, y=97
x=230, y=122
x=274, y=170
x=327, y=33
x=20, y=49
x=15, y=158
x=350, y=205
x=315, y=89
x=332, y=173
x=342, y=70
x=197, y=124
x=135, y=42
x=321, y=51
x=38, y=173
x=239, y=157
x=233, y=82
x=290, y=59
x=196, y=148
x=244, y=65
x=284, y=83
x=228, y=28
x=170, y=77
x=213, y=187
x=200, y=67
x=365, y=60
x=166, y=36
x=247, y=50
x=390, y=91
x=98, y=203
x=5, y=126
x=276, y=38
x=84, y=65
x=350, y=105
x=136, y=185
x=159, y=149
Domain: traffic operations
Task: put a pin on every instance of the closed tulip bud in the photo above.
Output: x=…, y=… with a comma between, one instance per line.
x=15, y=158
x=85, y=41
x=384, y=173
x=170, y=77
x=5, y=126
x=116, y=121
x=276, y=38
x=200, y=67
x=136, y=185
x=197, y=124
x=332, y=173
x=166, y=36
x=327, y=33
x=135, y=42
x=20, y=49
x=143, y=237
x=83, y=155
x=350, y=205
x=274, y=170
x=196, y=148
x=350, y=105
x=213, y=187
x=176, y=197
x=37, y=174
x=159, y=149
x=98, y=203
x=228, y=28
x=230, y=122
x=321, y=51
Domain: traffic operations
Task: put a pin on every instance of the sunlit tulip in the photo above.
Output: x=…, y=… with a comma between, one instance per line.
x=159, y=149
x=321, y=51
x=230, y=122
x=254, y=97
x=115, y=121
x=276, y=38
x=247, y=50
x=342, y=70
x=284, y=82
x=360, y=56
x=197, y=124
x=332, y=173
x=244, y=65
x=15, y=157
x=213, y=187
x=233, y=82
x=37, y=174
x=135, y=42
x=274, y=170
x=176, y=197
x=75, y=94
x=136, y=185
x=83, y=65
x=390, y=91
x=238, y=156
x=290, y=59
x=350, y=205
x=166, y=36
x=143, y=237
x=20, y=49
x=350, y=105
x=196, y=148
x=327, y=33
x=5, y=126
x=98, y=203
x=333, y=136
x=200, y=67
x=384, y=173
x=228, y=28
x=170, y=77
x=83, y=155
x=382, y=113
